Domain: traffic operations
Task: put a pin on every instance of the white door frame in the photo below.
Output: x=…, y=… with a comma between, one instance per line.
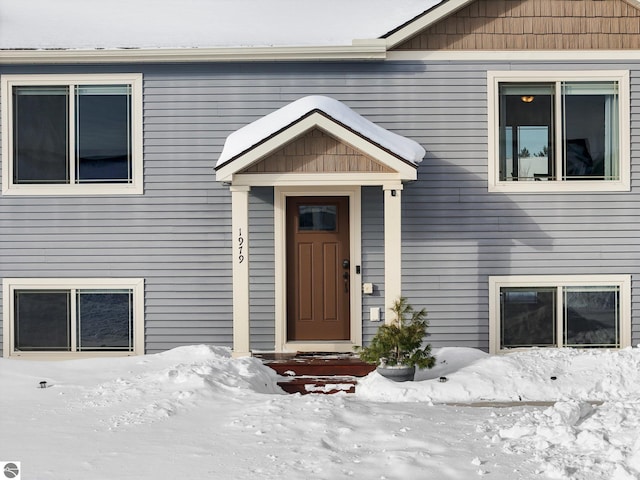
x=355, y=241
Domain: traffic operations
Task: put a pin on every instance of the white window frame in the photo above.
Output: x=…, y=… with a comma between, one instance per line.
x=497, y=282
x=494, y=78
x=10, y=285
x=7, y=82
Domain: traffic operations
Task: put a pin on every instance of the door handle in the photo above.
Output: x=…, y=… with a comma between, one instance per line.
x=345, y=276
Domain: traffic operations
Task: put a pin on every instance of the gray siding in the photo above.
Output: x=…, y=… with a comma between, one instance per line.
x=455, y=234
x=262, y=269
x=372, y=257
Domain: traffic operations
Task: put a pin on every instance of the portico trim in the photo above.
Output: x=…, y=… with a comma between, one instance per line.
x=300, y=158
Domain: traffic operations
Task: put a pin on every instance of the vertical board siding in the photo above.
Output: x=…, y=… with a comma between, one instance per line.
x=455, y=234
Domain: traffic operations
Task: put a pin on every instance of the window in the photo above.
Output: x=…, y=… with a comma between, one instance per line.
x=559, y=132
x=72, y=134
x=560, y=311
x=317, y=218
x=68, y=317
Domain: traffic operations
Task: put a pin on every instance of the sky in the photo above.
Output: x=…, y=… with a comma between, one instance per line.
x=79, y=24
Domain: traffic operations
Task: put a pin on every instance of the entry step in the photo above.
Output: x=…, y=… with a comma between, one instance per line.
x=321, y=384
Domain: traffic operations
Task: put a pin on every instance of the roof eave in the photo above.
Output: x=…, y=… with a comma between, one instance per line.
x=406, y=170
x=373, y=49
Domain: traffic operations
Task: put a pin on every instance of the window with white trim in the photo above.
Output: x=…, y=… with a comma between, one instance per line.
x=564, y=131
x=560, y=311
x=73, y=316
x=64, y=134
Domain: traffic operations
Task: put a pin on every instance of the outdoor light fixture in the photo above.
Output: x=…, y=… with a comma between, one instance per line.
x=527, y=98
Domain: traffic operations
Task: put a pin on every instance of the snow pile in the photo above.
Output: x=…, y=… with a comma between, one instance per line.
x=197, y=412
x=150, y=388
x=250, y=135
x=533, y=375
x=82, y=24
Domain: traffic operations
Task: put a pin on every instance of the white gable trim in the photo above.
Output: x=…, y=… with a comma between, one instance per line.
x=437, y=13
x=512, y=55
x=314, y=179
x=261, y=142
x=229, y=171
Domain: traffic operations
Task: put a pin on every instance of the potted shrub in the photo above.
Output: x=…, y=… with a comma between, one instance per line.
x=397, y=347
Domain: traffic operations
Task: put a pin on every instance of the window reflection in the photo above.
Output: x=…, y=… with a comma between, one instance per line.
x=528, y=316
x=591, y=316
x=317, y=218
x=581, y=118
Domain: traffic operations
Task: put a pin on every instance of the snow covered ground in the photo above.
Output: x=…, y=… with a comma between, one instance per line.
x=194, y=412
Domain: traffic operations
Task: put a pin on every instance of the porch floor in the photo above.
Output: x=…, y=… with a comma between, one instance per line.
x=316, y=372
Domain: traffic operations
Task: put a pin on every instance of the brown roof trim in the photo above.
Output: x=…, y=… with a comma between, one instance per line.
x=417, y=17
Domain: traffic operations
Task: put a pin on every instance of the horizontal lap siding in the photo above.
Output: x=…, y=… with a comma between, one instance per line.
x=180, y=152
x=176, y=235
x=372, y=257
x=452, y=126
x=262, y=269
x=455, y=234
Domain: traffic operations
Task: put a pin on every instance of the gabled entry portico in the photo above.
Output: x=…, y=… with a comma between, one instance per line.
x=317, y=154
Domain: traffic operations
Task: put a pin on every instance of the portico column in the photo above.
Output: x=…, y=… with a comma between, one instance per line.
x=240, y=241
x=392, y=246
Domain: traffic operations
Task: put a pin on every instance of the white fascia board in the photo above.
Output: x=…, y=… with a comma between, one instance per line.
x=374, y=49
x=512, y=55
x=405, y=170
x=435, y=15
x=316, y=179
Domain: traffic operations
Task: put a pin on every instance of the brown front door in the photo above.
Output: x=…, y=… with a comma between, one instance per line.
x=318, y=268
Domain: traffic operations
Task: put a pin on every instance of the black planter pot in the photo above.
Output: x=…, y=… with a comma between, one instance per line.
x=397, y=373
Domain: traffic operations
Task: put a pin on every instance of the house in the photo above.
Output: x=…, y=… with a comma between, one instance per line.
x=268, y=177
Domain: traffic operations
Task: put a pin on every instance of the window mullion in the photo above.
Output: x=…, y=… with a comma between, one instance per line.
x=73, y=123
x=130, y=136
x=74, y=321
x=560, y=316
x=559, y=133
x=131, y=320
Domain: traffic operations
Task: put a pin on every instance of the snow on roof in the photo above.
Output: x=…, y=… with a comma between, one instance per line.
x=82, y=24
x=250, y=135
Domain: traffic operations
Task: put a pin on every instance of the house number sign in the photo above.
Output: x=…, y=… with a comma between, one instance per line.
x=240, y=246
